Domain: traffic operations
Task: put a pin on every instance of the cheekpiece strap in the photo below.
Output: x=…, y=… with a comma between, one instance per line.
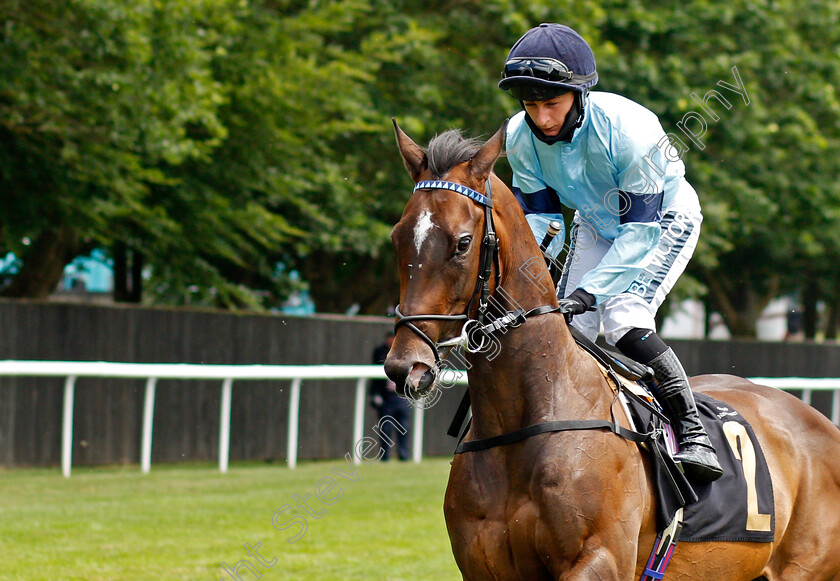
x=469, y=192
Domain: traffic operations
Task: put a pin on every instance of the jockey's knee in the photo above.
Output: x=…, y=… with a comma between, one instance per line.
x=642, y=345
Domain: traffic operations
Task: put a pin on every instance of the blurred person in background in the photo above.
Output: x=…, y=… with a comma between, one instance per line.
x=386, y=402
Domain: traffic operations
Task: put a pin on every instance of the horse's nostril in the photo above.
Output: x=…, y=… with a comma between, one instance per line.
x=395, y=372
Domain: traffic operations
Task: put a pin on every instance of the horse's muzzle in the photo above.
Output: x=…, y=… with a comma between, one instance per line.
x=414, y=379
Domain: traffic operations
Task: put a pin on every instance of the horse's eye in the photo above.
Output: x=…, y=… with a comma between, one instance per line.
x=464, y=244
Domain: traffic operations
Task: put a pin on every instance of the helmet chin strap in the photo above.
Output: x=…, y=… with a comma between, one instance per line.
x=574, y=119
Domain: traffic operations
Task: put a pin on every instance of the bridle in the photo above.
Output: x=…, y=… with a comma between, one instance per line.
x=475, y=333
x=488, y=258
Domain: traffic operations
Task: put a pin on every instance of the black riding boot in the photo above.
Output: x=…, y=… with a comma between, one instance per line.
x=698, y=456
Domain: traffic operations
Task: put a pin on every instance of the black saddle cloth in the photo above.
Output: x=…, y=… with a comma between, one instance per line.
x=736, y=507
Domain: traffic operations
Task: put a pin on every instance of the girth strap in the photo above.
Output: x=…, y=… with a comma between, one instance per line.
x=553, y=426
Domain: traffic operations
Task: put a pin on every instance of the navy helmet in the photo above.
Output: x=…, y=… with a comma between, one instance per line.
x=547, y=61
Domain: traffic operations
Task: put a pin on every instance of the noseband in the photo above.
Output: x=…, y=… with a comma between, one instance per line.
x=488, y=257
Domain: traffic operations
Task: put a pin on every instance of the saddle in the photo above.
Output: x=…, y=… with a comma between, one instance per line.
x=624, y=366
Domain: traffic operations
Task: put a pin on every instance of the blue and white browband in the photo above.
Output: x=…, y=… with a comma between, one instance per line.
x=469, y=192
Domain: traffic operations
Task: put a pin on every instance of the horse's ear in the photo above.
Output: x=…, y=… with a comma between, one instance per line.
x=413, y=155
x=482, y=162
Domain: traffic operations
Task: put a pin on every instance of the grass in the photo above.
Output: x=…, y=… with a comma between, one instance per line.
x=181, y=522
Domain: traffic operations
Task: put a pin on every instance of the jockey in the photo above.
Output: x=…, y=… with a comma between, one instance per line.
x=637, y=219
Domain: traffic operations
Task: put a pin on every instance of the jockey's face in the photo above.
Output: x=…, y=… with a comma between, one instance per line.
x=550, y=115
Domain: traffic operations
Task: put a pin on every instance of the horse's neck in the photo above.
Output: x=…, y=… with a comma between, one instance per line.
x=531, y=374
x=534, y=372
x=524, y=274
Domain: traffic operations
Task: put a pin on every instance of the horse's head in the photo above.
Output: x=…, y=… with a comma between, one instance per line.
x=438, y=243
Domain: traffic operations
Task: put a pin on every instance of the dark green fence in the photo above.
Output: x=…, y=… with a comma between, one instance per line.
x=108, y=413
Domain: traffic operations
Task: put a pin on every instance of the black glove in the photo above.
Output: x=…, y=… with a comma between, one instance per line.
x=577, y=303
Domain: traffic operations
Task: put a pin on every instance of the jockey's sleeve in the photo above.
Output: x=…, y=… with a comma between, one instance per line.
x=640, y=197
x=631, y=251
x=544, y=201
x=541, y=208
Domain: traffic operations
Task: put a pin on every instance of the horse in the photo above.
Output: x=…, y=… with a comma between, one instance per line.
x=570, y=505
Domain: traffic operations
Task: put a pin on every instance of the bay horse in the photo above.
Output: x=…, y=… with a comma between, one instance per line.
x=571, y=505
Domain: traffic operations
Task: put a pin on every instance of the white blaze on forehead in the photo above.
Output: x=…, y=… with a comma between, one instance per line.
x=422, y=228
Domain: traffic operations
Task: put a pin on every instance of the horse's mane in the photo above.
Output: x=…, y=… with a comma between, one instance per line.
x=449, y=149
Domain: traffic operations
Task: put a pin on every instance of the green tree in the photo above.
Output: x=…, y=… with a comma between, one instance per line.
x=95, y=99
x=764, y=168
x=222, y=144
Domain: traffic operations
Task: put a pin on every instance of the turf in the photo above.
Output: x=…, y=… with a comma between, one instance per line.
x=182, y=522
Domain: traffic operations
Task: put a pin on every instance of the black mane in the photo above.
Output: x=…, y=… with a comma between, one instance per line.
x=448, y=150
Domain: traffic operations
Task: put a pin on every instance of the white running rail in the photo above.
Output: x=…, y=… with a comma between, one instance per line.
x=152, y=372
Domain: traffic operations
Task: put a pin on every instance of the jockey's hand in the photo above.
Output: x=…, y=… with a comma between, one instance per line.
x=577, y=303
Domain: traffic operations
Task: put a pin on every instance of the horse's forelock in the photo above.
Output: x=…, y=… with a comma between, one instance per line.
x=448, y=150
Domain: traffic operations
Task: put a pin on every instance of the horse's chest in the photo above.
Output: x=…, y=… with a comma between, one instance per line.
x=494, y=491
x=498, y=530
x=538, y=512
